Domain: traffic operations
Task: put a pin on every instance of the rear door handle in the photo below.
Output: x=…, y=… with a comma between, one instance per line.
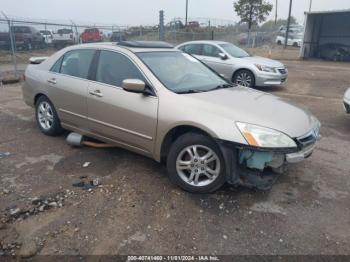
x=96, y=93
x=52, y=81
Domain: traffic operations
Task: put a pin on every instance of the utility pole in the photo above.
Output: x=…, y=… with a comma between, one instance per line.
x=310, y=6
x=186, y=12
x=288, y=23
x=276, y=12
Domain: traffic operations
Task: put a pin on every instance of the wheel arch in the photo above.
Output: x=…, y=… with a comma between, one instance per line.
x=241, y=69
x=175, y=133
x=37, y=96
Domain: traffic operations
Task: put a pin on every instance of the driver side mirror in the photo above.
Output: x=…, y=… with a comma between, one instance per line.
x=223, y=56
x=134, y=85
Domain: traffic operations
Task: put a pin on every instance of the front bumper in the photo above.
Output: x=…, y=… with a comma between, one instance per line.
x=270, y=79
x=301, y=155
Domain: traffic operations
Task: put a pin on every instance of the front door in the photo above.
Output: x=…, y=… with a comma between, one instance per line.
x=210, y=56
x=128, y=119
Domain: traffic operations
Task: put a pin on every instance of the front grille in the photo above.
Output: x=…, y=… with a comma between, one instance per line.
x=310, y=138
x=283, y=71
x=307, y=140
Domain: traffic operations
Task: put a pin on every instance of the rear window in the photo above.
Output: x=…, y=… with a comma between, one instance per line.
x=193, y=49
x=45, y=32
x=21, y=29
x=91, y=30
x=64, y=31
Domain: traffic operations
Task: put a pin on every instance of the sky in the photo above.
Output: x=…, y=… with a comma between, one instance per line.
x=145, y=12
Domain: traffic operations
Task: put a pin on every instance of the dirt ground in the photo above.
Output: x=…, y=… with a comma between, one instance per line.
x=136, y=210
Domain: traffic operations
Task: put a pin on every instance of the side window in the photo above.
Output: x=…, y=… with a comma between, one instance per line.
x=193, y=49
x=57, y=66
x=77, y=63
x=210, y=50
x=113, y=68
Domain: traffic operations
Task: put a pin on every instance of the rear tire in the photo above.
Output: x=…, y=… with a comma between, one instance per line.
x=195, y=163
x=47, y=118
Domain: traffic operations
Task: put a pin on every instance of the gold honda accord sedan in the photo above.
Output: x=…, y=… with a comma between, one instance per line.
x=155, y=100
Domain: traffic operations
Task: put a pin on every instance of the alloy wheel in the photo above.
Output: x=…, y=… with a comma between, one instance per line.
x=45, y=115
x=244, y=79
x=198, y=165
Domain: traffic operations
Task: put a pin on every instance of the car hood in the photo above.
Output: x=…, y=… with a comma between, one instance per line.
x=255, y=107
x=263, y=61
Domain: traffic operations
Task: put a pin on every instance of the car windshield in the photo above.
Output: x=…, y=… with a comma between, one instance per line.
x=234, y=50
x=182, y=73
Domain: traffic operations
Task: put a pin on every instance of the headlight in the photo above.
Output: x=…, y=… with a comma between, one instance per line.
x=266, y=68
x=265, y=137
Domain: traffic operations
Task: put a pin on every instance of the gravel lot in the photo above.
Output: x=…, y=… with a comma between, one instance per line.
x=137, y=210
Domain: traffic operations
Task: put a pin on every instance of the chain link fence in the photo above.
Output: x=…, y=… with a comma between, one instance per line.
x=21, y=39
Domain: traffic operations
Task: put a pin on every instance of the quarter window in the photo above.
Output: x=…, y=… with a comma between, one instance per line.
x=57, y=66
x=210, y=50
x=77, y=63
x=113, y=68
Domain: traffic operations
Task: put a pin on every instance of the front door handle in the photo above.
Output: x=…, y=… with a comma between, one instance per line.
x=96, y=93
x=52, y=81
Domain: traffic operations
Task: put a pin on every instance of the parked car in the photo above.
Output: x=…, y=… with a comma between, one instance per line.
x=64, y=37
x=175, y=25
x=193, y=24
x=236, y=65
x=91, y=35
x=118, y=36
x=335, y=52
x=47, y=34
x=25, y=37
x=347, y=101
x=295, y=40
x=155, y=100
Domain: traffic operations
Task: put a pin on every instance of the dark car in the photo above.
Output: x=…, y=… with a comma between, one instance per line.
x=335, y=52
x=118, y=37
x=25, y=38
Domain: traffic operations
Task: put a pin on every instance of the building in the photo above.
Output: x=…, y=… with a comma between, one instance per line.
x=324, y=31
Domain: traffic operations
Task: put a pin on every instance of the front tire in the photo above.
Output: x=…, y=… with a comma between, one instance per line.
x=244, y=78
x=195, y=163
x=47, y=118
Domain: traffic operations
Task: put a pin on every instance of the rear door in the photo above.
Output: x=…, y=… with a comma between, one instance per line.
x=193, y=49
x=68, y=87
x=128, y=119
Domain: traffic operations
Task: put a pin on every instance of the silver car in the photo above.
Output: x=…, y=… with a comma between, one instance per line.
x=237, y=65
x=155, y=100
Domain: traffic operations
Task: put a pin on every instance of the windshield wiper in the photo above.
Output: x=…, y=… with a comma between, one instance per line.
x=191, y=91
x=221, y=87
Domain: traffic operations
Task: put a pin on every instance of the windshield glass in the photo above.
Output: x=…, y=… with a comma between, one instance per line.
x=181, y=73
x=234, y=50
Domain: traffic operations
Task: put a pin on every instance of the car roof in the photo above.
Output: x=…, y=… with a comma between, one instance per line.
x=149, y=47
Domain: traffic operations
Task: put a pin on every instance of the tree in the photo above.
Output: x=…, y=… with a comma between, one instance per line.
x=252, y=12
